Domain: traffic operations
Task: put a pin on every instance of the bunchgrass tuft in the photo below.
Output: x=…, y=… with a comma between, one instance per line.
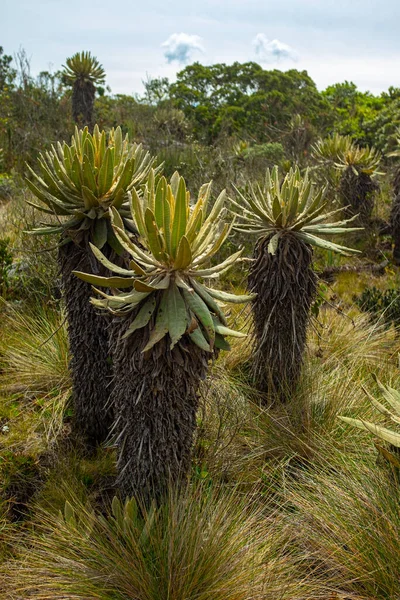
x=346, y=518
x=203, y=544
x=34, y=350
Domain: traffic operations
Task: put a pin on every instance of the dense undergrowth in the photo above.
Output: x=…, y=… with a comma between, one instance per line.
x=285, y=503
x=282, y=503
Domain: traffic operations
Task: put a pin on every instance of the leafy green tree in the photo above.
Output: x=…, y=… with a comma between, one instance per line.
x=246, y=98
x=382, y=129
x=33, y=112
x=170, y=325
x=352, y=109
x=7, y=73
x=157, y=90
x=7, y=81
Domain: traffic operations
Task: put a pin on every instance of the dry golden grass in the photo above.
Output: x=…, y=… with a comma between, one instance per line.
x=34, y=350
x=205, y=544
x=284, y=503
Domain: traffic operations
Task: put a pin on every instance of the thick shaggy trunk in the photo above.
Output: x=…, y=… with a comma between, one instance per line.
x=357, y=192
x=83, y=94
x=156, y=398
x=286, y=287
x=395, y=227
x=89, y=344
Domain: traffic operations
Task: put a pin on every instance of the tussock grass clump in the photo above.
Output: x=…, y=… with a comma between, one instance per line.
x=347, y=519
x=352, y=340
x=239, y=440
x=34, y=377
x=225, y=419
x=34, y=350
x=34, y=273
x=204, y=544
x=343, y=352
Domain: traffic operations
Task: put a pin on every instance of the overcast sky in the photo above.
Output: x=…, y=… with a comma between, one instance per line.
x=333, y=40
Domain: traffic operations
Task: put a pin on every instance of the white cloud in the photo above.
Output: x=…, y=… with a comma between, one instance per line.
x=179, y=47
x=272, y=51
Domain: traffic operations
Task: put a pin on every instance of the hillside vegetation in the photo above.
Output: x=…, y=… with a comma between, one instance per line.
x=199, y=389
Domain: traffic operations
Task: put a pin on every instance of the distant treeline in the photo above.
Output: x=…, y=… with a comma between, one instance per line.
x=206, y=105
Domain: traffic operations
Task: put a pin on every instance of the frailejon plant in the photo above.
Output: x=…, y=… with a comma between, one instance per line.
x=77, y=185
x=83, y=71
x=330, y=150
x=358, y=167
x=288, y=219
x=392, y=414
x=169, y=326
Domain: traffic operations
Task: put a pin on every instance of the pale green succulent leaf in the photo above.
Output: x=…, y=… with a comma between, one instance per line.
x=246, y=206
x=221, y=343
x=118, y=145
x=180, y=217
x=319, y=242
x=109, y=282
x=119, y=199
x=200, y=309
x=134, y=250
x=382, y=432
x=137, y=269
x=308, y=217
x=58, y=207
x=201, y=290
x=133, y=298
x=113, y=241
x=108, y=264
x=177, y=315
x=40, y=208
x=137, y=212
x=273, y=244
x=194, y=226
x=160, y=328
x=204, y=195
x=175, y=180
x=99, y=233
x=184, y=254
x=116, y=218
x=217, y=208
x=153, y=235
x=150, y=186
x=330, y=230
x=198, y=338
x=157, y=284
x=160, y=202
x=143, y=317
x=45, y=230
x=227, y=263
x=106, y=172
x=223, y=330
x=232, y=298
